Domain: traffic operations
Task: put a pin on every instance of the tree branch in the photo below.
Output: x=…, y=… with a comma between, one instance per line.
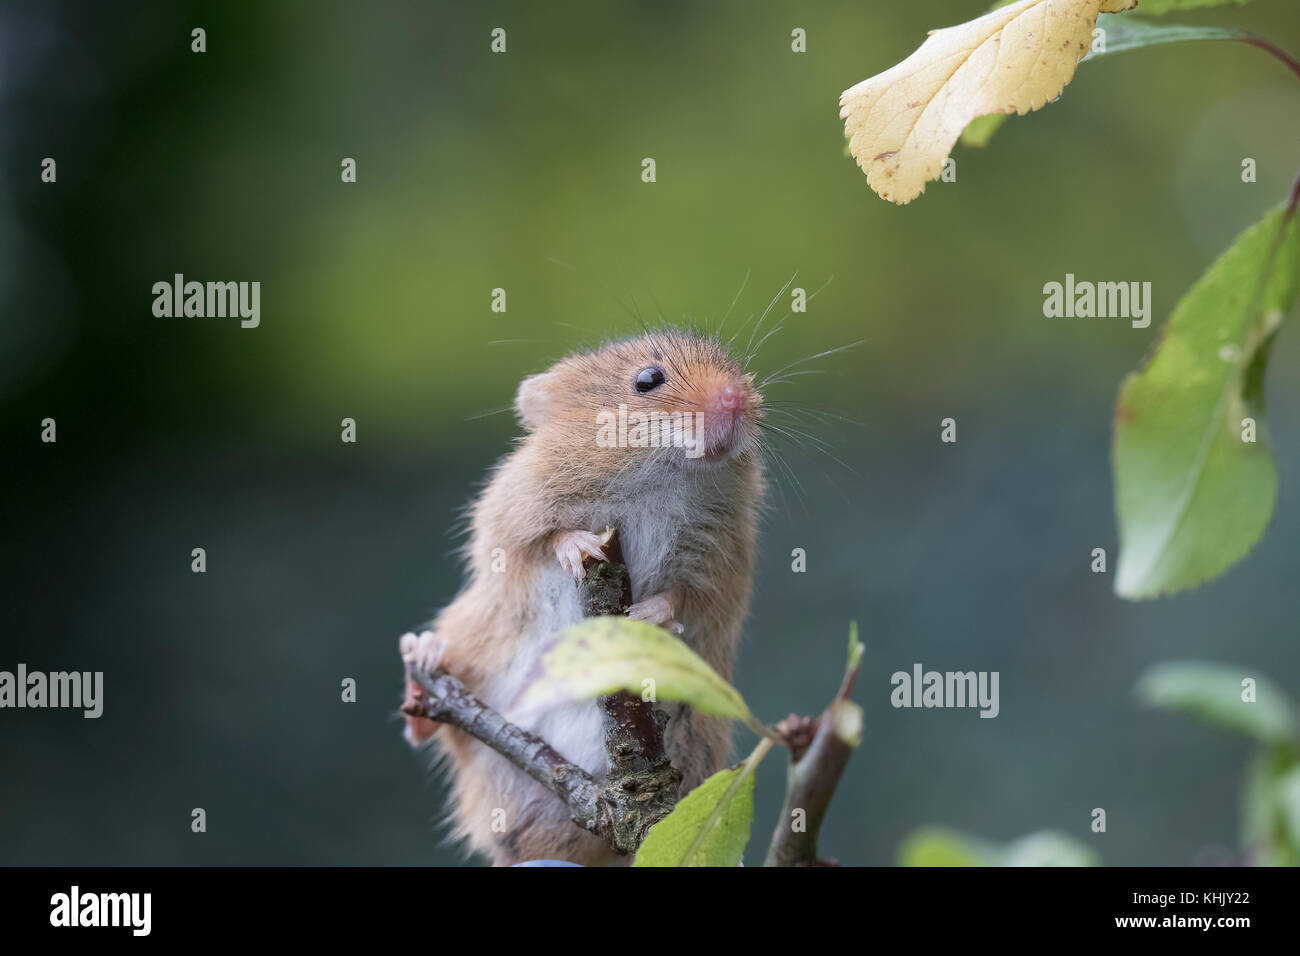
x=447, y=701
x=819, y=751
x=641, y=787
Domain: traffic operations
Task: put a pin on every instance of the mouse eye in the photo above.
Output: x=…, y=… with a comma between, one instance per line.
x=649, y=378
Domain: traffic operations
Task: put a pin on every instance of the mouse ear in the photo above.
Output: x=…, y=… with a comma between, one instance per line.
x=532, y=400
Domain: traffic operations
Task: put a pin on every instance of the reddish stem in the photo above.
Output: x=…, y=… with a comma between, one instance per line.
x=1291, y=62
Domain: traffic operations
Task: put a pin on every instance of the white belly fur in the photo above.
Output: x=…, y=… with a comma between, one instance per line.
x=575, y=730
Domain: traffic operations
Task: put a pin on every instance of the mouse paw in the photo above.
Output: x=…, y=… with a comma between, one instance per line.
x=571, y=547
x=424, y=652
x=658, y=610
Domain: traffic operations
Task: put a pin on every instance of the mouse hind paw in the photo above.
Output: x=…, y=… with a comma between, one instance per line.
x=659, y=610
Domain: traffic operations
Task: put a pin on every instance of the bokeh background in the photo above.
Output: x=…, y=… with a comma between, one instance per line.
x=522, y=171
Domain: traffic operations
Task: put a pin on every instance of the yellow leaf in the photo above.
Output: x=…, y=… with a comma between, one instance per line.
x=903, y=123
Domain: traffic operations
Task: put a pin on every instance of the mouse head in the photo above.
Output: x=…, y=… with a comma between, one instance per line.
x=675, y=395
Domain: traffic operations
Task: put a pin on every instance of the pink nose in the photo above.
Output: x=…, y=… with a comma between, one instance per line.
x=732, y=397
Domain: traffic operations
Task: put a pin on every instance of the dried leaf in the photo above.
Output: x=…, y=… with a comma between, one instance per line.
x=903, y=123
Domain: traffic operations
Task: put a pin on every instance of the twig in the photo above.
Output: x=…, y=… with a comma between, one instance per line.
x=641, y=787
x=447, y=701
x=819, y=751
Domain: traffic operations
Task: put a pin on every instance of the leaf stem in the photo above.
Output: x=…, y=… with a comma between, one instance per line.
x=763, y=731
x=1268, y=46
x=1184, y=34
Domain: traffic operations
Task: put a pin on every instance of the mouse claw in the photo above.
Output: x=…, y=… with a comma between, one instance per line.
x=573, y=547
x=657, y=610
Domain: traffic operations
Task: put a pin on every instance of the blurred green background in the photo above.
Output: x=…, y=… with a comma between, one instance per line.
x=478, y=171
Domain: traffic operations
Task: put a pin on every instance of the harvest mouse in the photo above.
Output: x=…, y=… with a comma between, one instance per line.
x=656, y=436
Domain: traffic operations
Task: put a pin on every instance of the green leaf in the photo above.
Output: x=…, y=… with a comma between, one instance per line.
x=1171, y=6
x=709, y=827
x=856, y=648
x=980, y=130
x=603, y=655
x=1287, y=790
x=1270, y=824
x=1124, y=32
x=1212, y=693
x=1192, y=497
x=1048, y=848
x=939, y=846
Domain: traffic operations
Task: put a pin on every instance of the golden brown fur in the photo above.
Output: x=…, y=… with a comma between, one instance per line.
x=689, y=530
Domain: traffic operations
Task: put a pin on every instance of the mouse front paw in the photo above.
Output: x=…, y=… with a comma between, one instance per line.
x=660, y=610
x=572, y=547
x=423, y=652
